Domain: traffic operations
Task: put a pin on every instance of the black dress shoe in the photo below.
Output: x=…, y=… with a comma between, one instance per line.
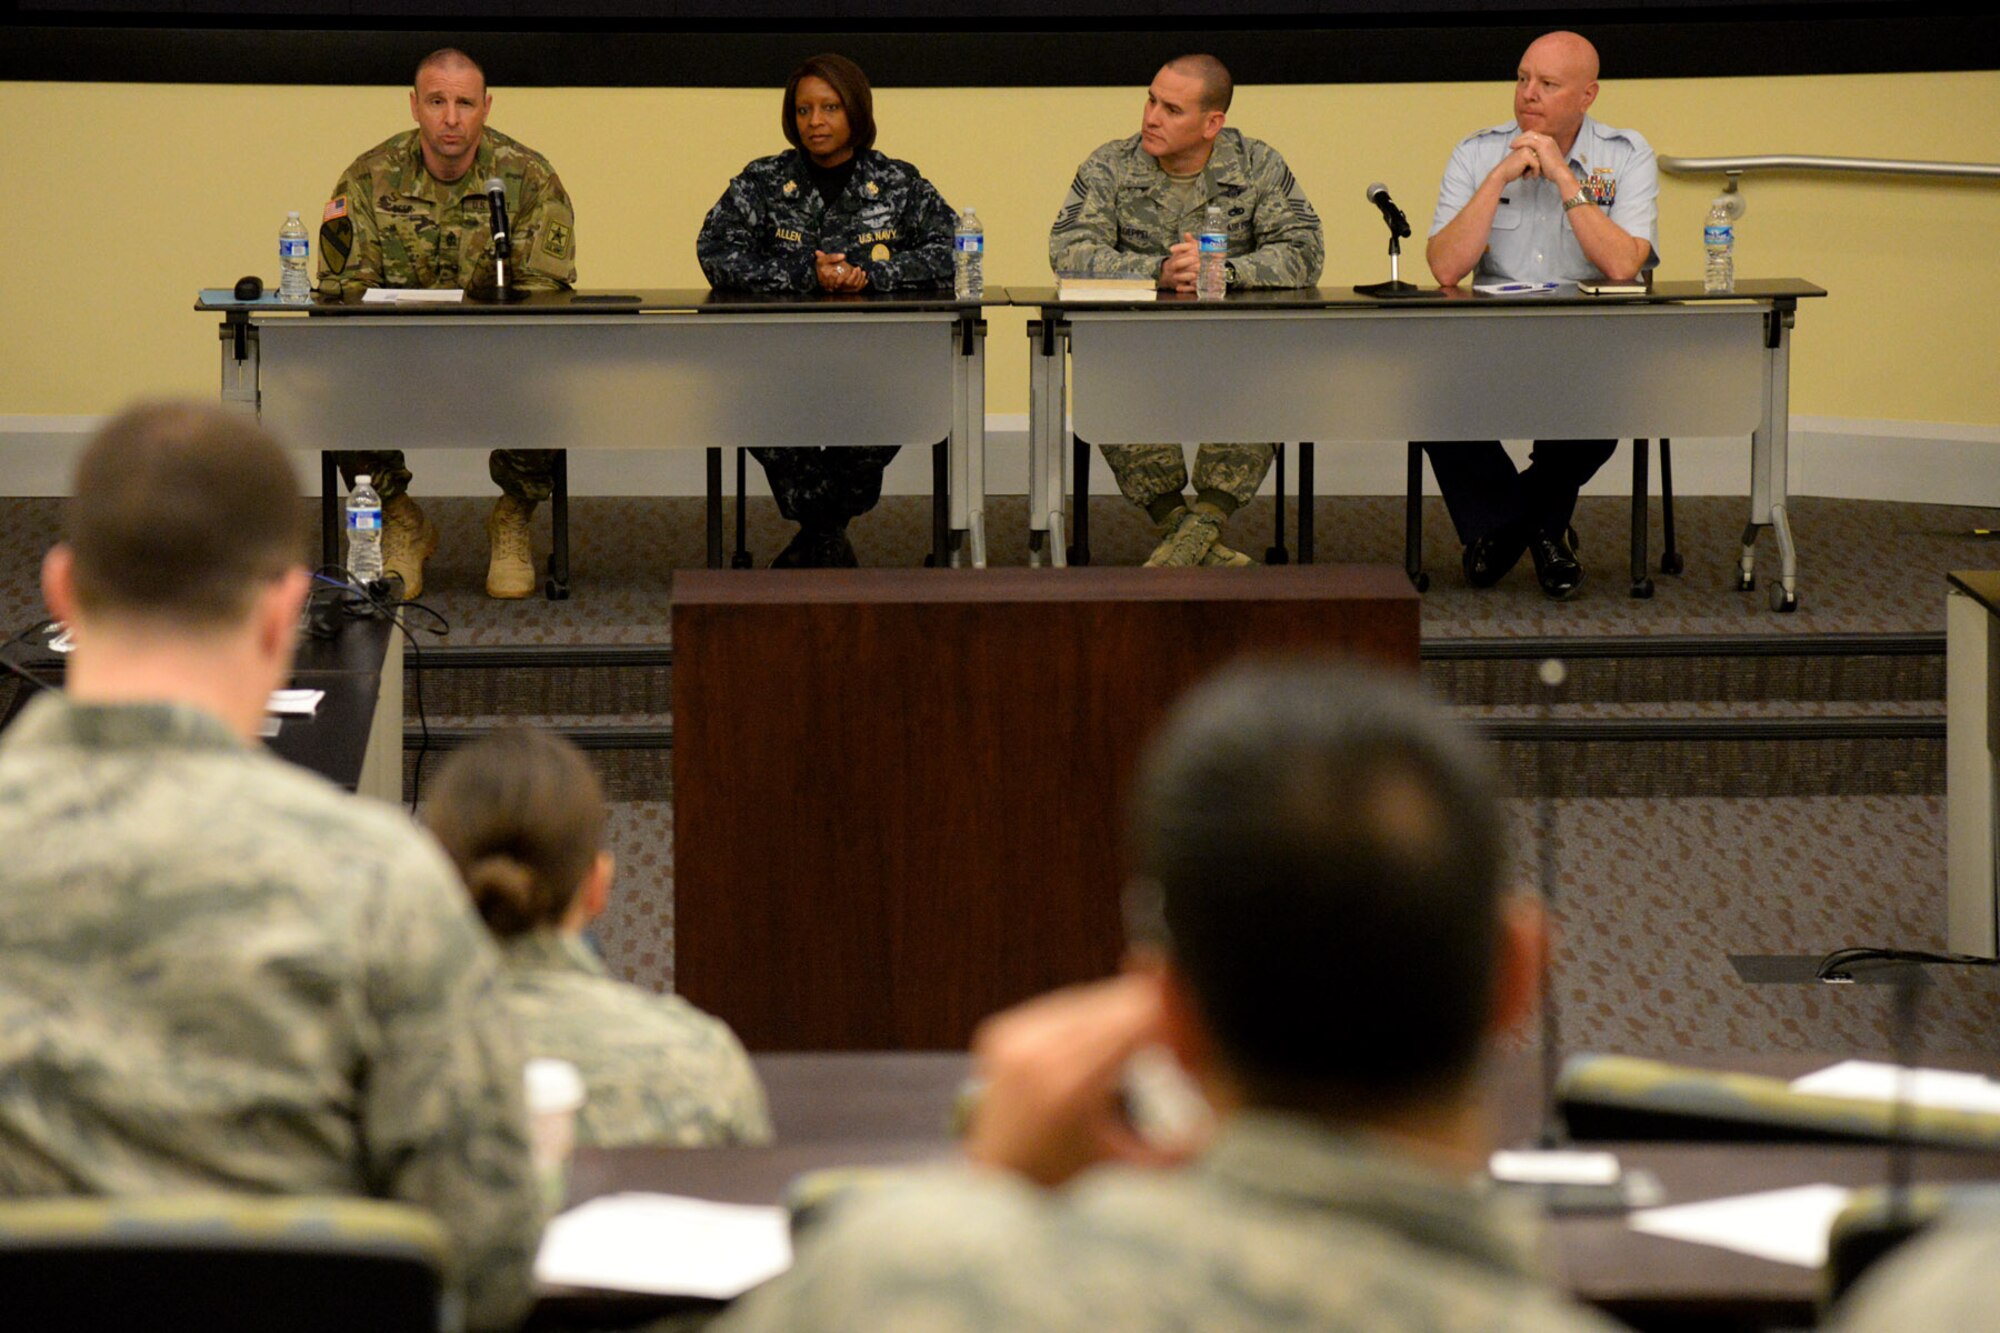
x=1488, y=558
x=1556, y=566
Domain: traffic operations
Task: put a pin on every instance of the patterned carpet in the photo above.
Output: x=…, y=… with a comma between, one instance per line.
x=1865, y=567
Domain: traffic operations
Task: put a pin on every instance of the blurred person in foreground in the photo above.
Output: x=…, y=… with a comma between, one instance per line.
x=220, y=972
x=1321, y=941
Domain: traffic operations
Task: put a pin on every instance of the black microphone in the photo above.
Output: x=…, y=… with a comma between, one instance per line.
x=496, y=201
x=1378, y=195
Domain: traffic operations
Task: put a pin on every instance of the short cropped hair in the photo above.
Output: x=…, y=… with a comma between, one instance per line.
x=180, y=512
x=1327, y=851
x=521, y=813
x=849, y=84
x=1217, y=88
x=447, y=55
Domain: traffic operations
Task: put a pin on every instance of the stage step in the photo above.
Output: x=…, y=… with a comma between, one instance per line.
x=1764, y=715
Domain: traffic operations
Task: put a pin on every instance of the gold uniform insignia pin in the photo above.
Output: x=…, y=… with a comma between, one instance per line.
x=791, y=187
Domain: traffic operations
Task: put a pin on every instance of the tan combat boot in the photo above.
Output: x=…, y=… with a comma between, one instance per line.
x=510, y=569
x=408, y=539
x=1188, y=537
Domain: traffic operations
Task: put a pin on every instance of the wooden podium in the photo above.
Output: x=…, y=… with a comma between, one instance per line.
x=899, y=795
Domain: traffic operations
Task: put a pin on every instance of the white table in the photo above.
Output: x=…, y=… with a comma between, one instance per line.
x=1332, y=365
x=633, y=370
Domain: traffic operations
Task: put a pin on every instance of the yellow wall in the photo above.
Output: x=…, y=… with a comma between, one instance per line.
x=123, y=199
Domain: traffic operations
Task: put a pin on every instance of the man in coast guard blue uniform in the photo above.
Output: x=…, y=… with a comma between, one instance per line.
x=1550, y=196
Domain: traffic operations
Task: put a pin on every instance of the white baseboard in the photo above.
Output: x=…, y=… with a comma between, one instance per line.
x=1922, y=462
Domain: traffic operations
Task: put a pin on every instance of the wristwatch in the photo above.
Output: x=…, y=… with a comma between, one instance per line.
x=1228, y=273
x=1577, y=200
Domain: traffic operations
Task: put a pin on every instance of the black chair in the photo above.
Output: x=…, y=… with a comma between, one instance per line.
x=244, y=1263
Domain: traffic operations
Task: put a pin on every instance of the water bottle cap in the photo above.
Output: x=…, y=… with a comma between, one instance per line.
x=971, y=211
x=362, y=479
x=293, y=215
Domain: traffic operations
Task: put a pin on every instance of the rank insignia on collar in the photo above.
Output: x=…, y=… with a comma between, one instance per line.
x=791, y=187
x=873, y=188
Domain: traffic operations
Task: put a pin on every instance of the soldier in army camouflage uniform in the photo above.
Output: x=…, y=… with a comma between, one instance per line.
x=1133, y=212
x=832, y=214
x=1291, y=819
x=218, y=972
x=522, y=815
x=412, y=212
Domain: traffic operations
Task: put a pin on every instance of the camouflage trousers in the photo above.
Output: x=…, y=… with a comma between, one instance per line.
x=823, y=487
x=525, y=474
x=1146, y=472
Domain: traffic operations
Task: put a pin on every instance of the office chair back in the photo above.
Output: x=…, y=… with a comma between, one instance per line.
x=244, y=1263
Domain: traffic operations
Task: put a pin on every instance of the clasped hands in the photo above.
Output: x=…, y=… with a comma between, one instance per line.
x=1182, y=265
x=1537, y=155
x=835, y=274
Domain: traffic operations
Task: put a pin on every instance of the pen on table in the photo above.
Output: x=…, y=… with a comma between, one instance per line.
x=1513, y=287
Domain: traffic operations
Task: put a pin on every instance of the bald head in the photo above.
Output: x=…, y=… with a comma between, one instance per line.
x=1555, y=85
x=1568, y=51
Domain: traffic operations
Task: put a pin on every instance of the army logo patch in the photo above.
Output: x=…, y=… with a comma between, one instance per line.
x=555, y=242
x=335, y=208
x=879, y=253
x=791, y=188
x=336, y=242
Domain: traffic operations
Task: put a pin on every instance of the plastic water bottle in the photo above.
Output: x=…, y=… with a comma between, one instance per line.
x=1718, y=237
x=1210, y=280
x=294, y=250
x=364, y=532
x=968, y=258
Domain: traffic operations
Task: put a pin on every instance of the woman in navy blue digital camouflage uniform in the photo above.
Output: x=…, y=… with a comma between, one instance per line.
x=829, y=214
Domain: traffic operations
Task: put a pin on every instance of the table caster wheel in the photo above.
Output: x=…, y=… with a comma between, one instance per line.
x=556, y=590
x=1277, y=555
x=1421, y=581
x=1671, y=563
x=1643, y=589
x=1784, y=603
x=1745, y=582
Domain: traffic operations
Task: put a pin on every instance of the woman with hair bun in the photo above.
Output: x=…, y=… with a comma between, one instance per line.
x=522, y=815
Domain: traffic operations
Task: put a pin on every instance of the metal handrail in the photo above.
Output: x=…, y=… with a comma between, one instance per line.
x=1878, y=166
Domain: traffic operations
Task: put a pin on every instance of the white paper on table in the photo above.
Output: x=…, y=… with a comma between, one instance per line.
x=1786, y=1226
x=411, y=295
x=1872, y=1080
x=1545, y=1167
x=665, y=1245
x=294, y=703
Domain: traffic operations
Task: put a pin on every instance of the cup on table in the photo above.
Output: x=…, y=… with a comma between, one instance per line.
x=555, y=1095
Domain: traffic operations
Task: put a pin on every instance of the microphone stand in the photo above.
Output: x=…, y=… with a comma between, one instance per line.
x=1395, y=288
x=502, y=291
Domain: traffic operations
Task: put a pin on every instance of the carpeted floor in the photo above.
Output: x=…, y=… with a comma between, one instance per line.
x=1656, y=892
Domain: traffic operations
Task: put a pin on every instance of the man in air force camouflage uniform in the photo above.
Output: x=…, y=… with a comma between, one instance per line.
x=832, y=213
x=1133, y=211
x=412, y=212
x=218, y=972
x=1291, y=820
